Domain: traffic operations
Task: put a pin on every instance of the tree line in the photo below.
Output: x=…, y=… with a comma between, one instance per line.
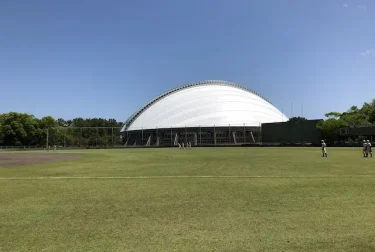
x=353, y=117
x=21, y=129
x=17, y=129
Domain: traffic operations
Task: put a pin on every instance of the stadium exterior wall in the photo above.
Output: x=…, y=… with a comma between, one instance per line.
x=302, y=132
x=197, y=136
x=358, y=131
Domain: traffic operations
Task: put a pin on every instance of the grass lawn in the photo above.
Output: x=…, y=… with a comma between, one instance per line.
x=203, y=199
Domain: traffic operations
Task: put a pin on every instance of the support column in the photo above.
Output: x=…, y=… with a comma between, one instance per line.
x=214, y=135
x=81, y=140
x=47, y=139
x=244, y=130
x=185, y=136
x=200, y=135
x=142, y=137
x=157, y=137
x=229, y=135
x=96, y=136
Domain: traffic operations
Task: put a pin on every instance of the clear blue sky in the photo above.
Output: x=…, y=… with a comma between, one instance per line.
x=76, y=58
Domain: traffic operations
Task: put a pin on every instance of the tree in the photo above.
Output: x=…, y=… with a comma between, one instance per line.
x=354, y=116
x=61, y=122
x=333, y=123
x=353, y=109
x=18, y=129
x=333, y=115
x=366, y=110
x=371, y=111
x=48, y=122
x=354, y=119
x=297, y=119
x=330, y=127
x=1, y=132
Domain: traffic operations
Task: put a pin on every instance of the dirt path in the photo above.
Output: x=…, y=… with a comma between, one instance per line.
x=19, y=159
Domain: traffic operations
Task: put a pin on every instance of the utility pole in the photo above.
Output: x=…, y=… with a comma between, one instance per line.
x=96, y=136
x=291, y=109
x=47, y=138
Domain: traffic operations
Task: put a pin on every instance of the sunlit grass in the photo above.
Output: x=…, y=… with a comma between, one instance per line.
x=255, y=199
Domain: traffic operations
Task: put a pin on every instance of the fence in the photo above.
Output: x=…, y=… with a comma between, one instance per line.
x=68, y=137
x=20, y=148
x=292, y=132
x=202, y=135
x=214, y=135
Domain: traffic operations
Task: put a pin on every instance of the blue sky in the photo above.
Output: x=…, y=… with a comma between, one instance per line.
x=107, y=58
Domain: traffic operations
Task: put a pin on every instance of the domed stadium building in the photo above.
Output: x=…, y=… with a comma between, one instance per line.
x=203, y=114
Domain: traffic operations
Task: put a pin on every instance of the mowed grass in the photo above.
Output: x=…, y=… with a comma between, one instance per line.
x=203, y=199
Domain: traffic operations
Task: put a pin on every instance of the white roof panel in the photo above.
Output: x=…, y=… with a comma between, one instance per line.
x=210, y=103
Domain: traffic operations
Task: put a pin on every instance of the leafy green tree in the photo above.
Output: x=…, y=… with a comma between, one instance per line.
x=297, y=119
x=48, y=122
x=366, y=110
x=18, y=129
x=25, y=129
x=353, y=109
x=354, y=119
x=333, y=115
x=61, y=122
x=371, y=111
x=330, y=127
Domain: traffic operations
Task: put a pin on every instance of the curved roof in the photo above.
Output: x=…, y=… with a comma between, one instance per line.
x=207, y=103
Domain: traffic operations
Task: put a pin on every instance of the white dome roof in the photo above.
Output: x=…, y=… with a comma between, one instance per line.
x=205, y=104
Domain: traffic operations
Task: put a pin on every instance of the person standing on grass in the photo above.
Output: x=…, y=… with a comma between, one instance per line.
x=364, y=148
x=324, y=149
x=369, y=150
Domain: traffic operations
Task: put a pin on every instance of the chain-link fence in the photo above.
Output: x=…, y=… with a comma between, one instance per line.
x=68, y=137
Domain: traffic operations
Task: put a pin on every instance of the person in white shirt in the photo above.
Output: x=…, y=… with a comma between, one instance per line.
x=364, y=148
x=369, y=150
x=324, y=149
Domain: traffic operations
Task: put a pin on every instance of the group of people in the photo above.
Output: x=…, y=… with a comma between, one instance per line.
x=49, y=148
x=366, y=148
x=182, y=146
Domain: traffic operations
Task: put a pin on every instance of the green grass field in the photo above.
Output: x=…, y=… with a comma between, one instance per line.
x=209, y=199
